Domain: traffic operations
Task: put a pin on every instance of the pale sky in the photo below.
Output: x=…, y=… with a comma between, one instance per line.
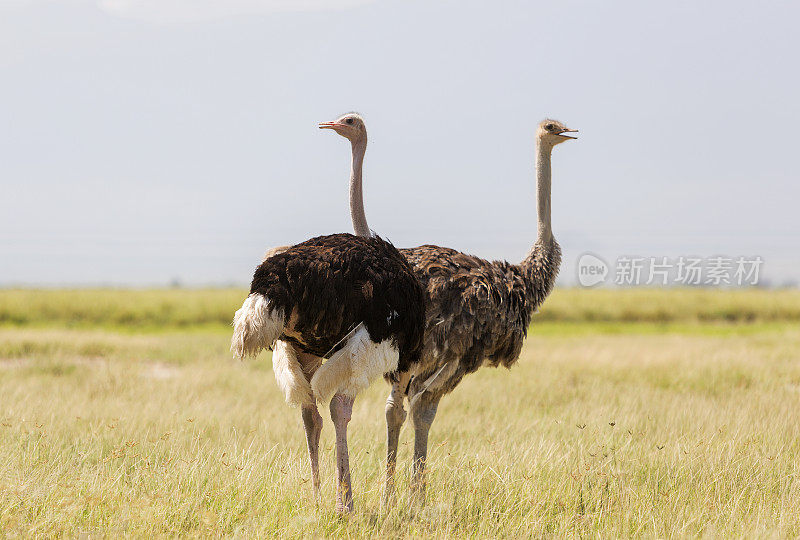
x=149, y=140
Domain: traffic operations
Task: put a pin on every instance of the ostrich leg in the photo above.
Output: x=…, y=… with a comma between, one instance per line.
x=395, y=416
x=341, y=411
x=312, y=421
x=422, y=414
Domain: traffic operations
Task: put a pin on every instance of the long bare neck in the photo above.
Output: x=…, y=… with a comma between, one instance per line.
x=357, y=214
x=543, y=181
x=541, y=266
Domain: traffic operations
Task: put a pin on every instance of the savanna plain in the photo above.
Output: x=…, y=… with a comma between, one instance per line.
x=631, y=413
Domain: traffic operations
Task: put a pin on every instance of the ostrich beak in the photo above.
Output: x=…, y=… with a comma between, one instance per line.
x=568, y=131
x=328, y=125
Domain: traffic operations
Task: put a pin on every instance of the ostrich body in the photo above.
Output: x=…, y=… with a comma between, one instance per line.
x=352, y=300
x=477, y=311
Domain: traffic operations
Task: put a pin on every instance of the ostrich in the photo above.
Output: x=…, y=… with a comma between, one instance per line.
x=478, y=312
x=352, y=300
x=292, y=364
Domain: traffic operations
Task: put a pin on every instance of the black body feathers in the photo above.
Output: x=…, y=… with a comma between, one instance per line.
x=327, y=285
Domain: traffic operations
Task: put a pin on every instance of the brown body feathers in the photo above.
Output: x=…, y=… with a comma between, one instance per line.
x=477, y=311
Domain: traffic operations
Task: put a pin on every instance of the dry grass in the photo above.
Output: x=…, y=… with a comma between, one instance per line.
x=637, y=433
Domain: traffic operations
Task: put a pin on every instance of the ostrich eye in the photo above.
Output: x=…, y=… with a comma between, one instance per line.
x=550, y=127
x=349, y=121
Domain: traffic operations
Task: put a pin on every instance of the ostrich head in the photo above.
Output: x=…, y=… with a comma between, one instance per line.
x=552, y=132
x=350, y=126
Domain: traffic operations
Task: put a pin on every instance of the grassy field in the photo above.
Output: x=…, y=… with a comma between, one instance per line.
x=630, y=413
x=134, y=310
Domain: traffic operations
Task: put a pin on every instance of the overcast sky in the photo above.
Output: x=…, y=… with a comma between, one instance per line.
x=143, y=141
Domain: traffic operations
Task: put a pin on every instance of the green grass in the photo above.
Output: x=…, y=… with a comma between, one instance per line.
x=673, y=305
x=159, y=309
x=603, y=429
x=150, y=310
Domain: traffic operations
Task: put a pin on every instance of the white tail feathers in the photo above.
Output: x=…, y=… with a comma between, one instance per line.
x=289, y=375
x=353, y=367
x=254, y=327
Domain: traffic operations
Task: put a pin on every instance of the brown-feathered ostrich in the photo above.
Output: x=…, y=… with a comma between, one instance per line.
x=478, y=312
x=352, y=300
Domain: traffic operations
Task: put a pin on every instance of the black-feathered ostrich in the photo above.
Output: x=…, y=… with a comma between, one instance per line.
x=478, y=312
x=350, y=299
